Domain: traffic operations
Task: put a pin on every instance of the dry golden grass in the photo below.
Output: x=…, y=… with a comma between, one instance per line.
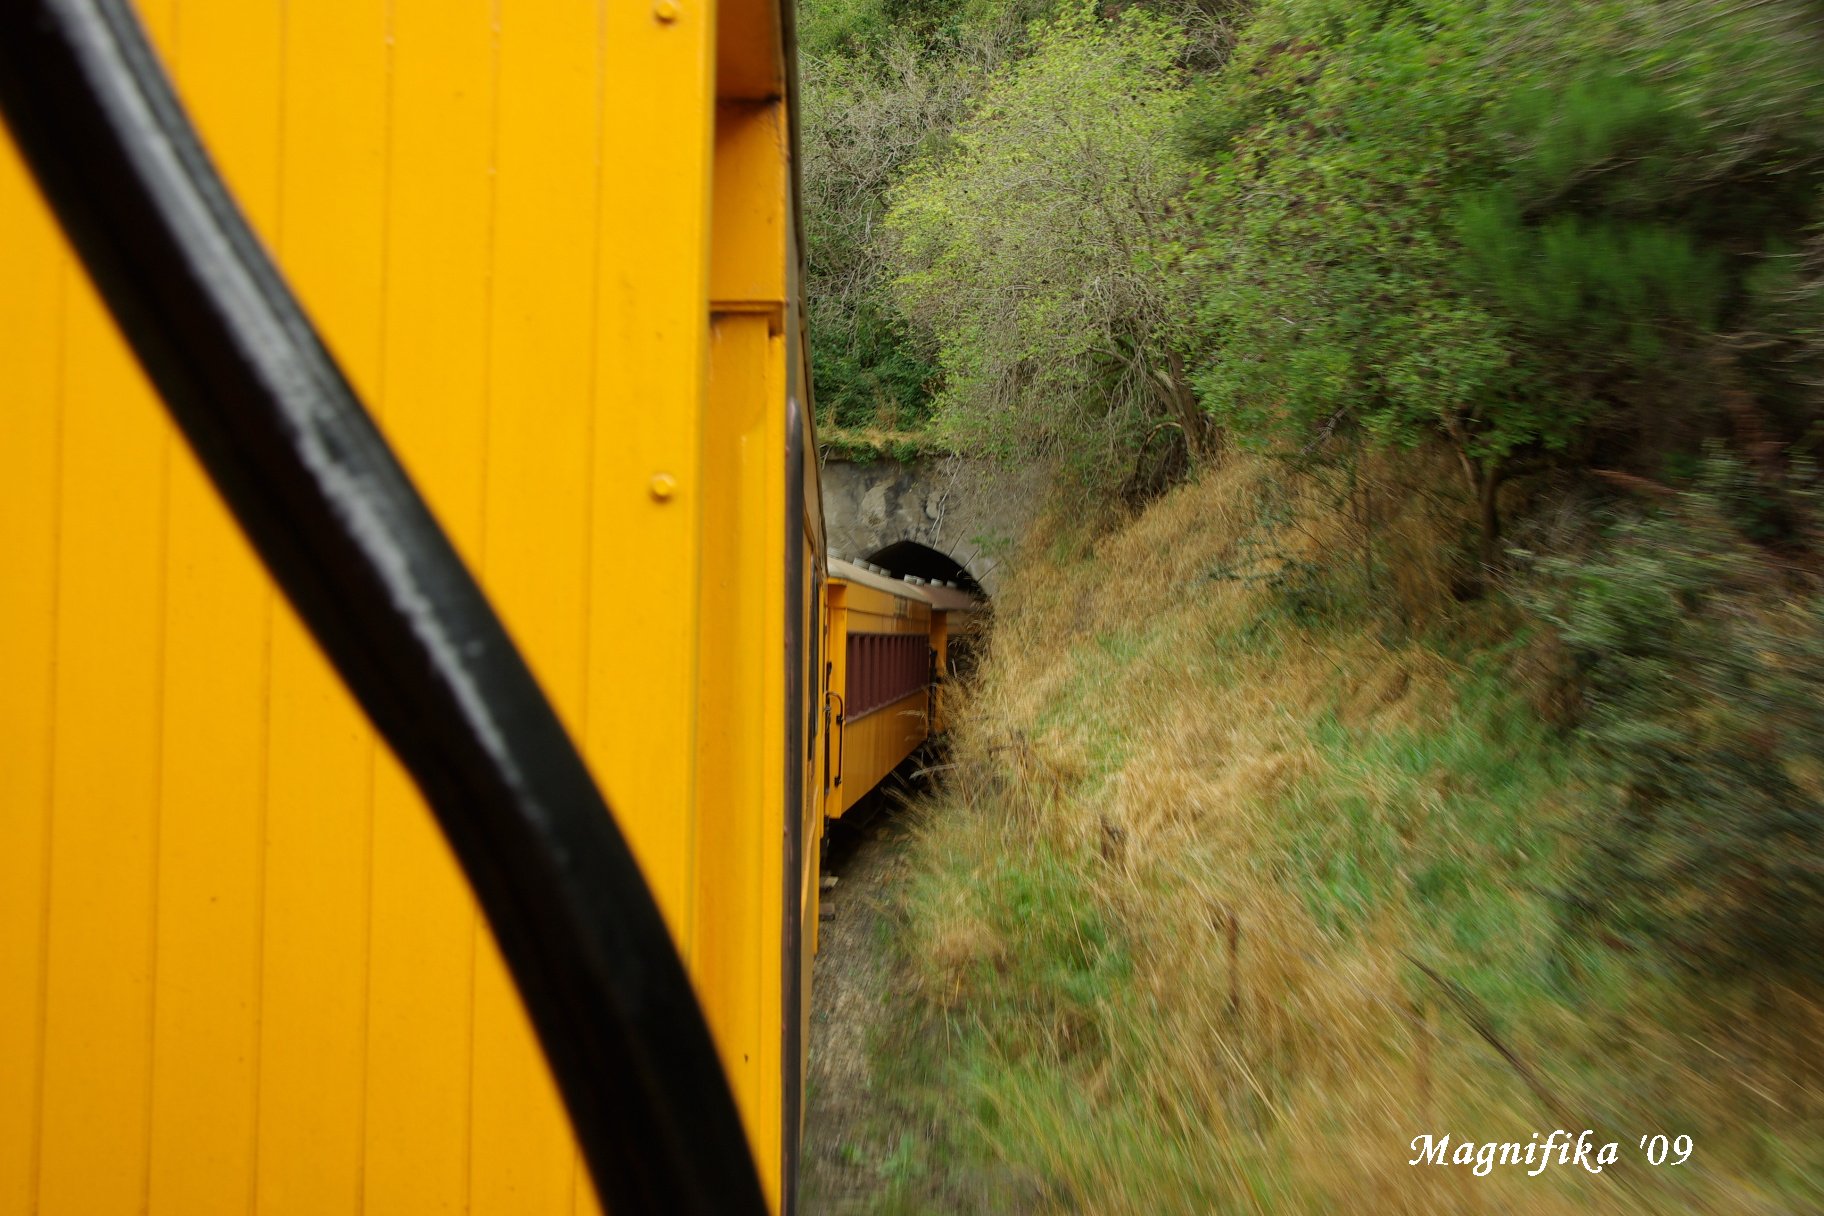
x=1167, y=937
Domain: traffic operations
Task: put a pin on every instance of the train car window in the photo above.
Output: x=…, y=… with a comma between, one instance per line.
x=885, y=668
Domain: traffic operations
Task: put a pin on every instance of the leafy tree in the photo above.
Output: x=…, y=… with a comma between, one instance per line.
x=882, y=84
x=1657, y=167
x=1035, y=245
x=1334, y=140
x=864, y=118
x=1526, y=228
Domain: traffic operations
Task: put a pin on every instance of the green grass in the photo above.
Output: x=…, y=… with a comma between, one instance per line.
x=1459, y=829
x=1454, y=830
x=1221, y=903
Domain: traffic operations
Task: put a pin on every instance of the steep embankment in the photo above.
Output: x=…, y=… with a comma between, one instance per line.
x=1245, y=878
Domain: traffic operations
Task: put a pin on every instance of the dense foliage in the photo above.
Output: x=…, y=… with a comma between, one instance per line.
x=1701, y=655
x=883, y=82
x=1555, y=238
x=1538, y=232
x=864, y=118
x=897, y=105
x=1529, y=229
x=1034, y=248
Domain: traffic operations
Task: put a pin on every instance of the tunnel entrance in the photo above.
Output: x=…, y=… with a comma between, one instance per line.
x=908, y=557
x=921, y=561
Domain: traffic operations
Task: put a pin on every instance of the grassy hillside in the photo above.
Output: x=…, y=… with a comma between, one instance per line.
x=1253, y=868
x=1446, y=755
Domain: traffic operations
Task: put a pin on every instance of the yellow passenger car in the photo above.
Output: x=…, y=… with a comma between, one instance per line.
x=887, y=671
x=553, y=248
x=881, y=674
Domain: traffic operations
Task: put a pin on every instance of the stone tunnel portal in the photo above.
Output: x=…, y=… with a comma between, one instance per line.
x=951, y=518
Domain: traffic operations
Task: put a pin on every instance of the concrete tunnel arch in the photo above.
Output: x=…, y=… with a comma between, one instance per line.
x=911, y=557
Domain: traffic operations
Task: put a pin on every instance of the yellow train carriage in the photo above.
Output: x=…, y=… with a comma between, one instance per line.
x=886, y=650
x=553, y=247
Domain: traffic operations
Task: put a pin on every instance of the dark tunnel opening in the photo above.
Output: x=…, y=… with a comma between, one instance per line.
x=908, y=557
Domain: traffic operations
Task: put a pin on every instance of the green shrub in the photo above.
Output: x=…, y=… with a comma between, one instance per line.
x=870, y=371
x=865, y=114
x=1539, y=231
x=1702, y=663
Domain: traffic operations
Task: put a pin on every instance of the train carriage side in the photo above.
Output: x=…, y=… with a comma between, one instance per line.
x=554, y=249
x=880, y=655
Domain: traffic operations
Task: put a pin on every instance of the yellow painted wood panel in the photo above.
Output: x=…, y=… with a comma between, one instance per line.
x=749, y=53
x=35, y=271
x=875, y=742
x=736, y=937
x=217, y=609
x=651, y=361
x=101, y=957
x=836, y=654
x=878, y=741
x=806, y=702
x=768, y=1098
x=434, y=403
x=100, y=939
x=875, y=611
x=543, y=399
x=750, y=209
x=313, y=1027
x=732, y=952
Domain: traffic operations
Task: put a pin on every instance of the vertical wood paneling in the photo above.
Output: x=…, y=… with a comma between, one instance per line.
x=100, y=940
x=540, y=406
x=741, y=770
x=434, y=376
x=232, y=942
x=652, y=356
x=730, y=953
x=313, y=1031
x=213, y=767
x=103, y=889
x=34, y=270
